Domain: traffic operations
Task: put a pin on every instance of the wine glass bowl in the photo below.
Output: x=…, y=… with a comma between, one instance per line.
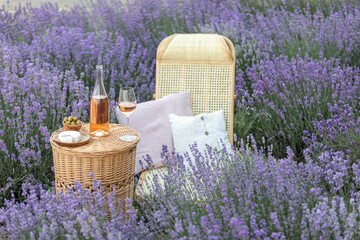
x=127, y=105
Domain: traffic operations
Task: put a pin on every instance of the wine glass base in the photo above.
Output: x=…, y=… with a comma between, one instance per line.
x=128, y=138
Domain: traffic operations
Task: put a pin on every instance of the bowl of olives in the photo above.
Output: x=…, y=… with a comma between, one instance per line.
x=72, y=123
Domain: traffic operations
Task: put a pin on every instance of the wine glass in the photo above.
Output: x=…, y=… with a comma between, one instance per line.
x=127, y=105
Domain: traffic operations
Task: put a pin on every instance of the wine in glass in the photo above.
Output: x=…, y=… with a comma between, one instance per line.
x=127, y=105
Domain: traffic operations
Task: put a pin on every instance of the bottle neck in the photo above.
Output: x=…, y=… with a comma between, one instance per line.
x=99, y=88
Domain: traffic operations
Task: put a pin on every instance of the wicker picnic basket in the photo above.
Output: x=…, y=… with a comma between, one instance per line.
x=111, y=160
x=203, y=64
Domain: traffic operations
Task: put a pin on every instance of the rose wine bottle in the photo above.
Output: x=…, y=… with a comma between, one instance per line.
x=99, y=107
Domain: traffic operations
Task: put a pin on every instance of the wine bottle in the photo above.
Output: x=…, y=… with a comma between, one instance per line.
x=99, y=107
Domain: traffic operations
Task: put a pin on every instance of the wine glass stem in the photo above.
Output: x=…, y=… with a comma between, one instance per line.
x=128, y=132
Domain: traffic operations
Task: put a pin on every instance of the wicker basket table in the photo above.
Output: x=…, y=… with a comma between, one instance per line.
x=109, y=158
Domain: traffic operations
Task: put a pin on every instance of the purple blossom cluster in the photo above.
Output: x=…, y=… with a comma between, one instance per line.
x=277, y=31
x=290, y=98
x=47, y=70
x=231, y=195
x=246, y=194
x=297, y=86
x=33, y=98
x=301, y=48
x=77, y=214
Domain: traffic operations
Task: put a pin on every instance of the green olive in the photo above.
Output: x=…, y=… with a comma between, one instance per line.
x=68, y=122
x=65, y=120
x=70, y=118
x=73, y=123
x=75, y=119
x=78, y=122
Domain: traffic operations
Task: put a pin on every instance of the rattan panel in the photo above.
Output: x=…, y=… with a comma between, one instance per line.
x=203, y=64
x=211, y=87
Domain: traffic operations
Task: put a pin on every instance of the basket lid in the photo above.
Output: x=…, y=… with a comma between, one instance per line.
x=196, y=48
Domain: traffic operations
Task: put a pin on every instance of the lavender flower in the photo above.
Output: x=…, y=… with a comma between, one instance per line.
x=297, y=85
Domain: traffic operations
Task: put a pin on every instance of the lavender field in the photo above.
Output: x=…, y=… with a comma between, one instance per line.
x=296, y=171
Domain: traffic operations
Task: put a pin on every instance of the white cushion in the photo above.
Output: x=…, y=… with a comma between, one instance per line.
x=204, y=129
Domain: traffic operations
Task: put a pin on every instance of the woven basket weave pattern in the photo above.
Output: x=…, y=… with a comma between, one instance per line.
x=111, y=160
x=209, y=91
x=203, y=64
